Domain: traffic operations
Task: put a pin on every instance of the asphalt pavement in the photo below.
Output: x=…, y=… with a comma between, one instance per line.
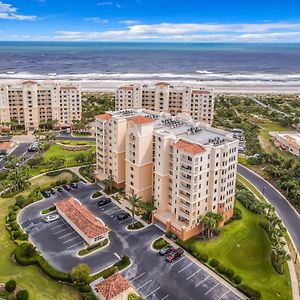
x=287, y=213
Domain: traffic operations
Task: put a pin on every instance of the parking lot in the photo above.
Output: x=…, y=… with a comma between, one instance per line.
x=150, y=274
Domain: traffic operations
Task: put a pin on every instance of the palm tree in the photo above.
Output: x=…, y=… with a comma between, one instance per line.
x=135, y=202
x=148, y=207
x=108, y=183
x=209, y=223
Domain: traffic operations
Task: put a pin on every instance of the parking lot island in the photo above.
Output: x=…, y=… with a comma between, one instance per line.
x=84, y=222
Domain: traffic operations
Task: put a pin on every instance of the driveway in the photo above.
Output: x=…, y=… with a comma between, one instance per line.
x=150, y=274
x=289, y=216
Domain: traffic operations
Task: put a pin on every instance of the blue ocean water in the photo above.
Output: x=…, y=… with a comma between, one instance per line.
x=216, y=61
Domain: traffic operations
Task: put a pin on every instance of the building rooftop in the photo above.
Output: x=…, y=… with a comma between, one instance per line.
x=104, y=117
x=189, y=147
x=6, y=145
x=293, y=138
x=140, y=120
x=112, y=286
x=82, y=217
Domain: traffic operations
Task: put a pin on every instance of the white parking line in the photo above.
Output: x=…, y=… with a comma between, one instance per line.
x=144, y=284
x=75, y=238
x=152, y=292
x=202, y=281
x=61, y=237
x=185, y=267
x=138, y=276
x=176, y=262
x=224, y=294
x=57, y=226
x=114, y=207
x=114, y=211
x=117, y=255
x=165, y=297
x=194, y=274
x=75, y=245
x=125, y=220
x=212, y=288
x=57, y=232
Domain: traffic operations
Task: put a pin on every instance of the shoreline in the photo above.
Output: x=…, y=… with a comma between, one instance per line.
x=220, y=87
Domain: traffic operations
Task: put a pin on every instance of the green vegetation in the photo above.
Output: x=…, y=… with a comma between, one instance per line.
x=96, y=195
x=76, y=142
x=135, y=226
x=133, y=296
x=86, y=172
x=93, y=248
x=48, y=210
x=244, y=247
x=160, y=243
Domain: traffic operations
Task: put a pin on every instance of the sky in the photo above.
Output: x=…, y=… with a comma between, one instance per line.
x=150, y=20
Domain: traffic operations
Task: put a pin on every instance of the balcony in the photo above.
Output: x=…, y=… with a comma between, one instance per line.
x=187, y=169
x=185, y=195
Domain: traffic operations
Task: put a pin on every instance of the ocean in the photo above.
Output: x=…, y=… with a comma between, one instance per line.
x=207, y=62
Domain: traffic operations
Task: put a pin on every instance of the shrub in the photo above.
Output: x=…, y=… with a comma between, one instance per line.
x=85, y=288
x=16, y=207
x=12, y=218
x=203, y=258
x=96, y=195
x=214, y=262
x=10, y=286
x=16, y=234
x=229, y=273
x=14, y=226
x=123, y=263
x=277, y=265
x=237, y=279
x=221, y=269
x=23, y=237
x=249, y=292
x=159, y=243
x=12, y=213
x=22, y=295
x=135, y=226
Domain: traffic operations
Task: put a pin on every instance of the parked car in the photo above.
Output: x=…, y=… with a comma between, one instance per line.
x=174, y=254
x=165, y=250
x=59, y=189
x=67, y=187
x=51, y=218
x=29, y=229
x=103, y=201
x=46, y=194
x=123, y=216
x=52, y=191
x=74, y=185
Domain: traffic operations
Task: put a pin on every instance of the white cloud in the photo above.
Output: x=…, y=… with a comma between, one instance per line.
x=105, y=3
x=129, y=22
x=8, y=12
x=97, y=20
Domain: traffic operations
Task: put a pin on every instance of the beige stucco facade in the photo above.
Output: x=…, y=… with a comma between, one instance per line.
x=196, y=101
x=188, y=167
x=29, y=103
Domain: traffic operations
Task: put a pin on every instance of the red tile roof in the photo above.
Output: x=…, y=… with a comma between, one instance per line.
x=6, y=145
x=66, y=88
x=104, y=117
x=112, y=286
x=141, y=120
x=82, y=218
x=126, y=88
x=163, y=83
x=29, y=81
x=189, y=147
x=200, y=92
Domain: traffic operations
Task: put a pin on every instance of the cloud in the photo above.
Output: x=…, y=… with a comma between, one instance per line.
x=128, y=22
x=106, y=3
x=97, y=20
x=8, y=12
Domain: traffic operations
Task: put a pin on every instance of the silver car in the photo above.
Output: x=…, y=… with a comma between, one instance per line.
x=51, y=218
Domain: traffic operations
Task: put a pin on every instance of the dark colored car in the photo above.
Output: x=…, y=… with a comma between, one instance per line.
x=74, y=185
x=59, y=189
x=103, y=201
x=52, y=191
x=165, y=250
x=174, y=254
x=123, y=216
x=67, y=187
x=46, y=194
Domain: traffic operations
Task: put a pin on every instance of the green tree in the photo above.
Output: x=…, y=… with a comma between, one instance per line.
x=80, y=274
x=108, y=184
x=148, y=207
x=55, y=163
x=135, y=203
x=18, y=178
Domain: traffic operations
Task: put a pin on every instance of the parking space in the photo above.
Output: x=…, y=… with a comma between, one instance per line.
x=150, y=274
x=196, y=282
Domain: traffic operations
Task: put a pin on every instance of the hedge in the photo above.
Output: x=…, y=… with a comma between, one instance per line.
x=249, y=292
x=160, y=243
x=93, y=248
x=10, y=286
x=214, y=262
x=22, y=295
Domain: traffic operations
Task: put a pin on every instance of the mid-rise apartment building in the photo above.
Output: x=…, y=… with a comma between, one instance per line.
x=197, y=102
x=28, y=103
x=188, y=167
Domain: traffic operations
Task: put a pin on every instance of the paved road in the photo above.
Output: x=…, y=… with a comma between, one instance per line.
x=268, y=106
x=20, y=150
x=74, y=138
x=154, y=278
x=289, y=216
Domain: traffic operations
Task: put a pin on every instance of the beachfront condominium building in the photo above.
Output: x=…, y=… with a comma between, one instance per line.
x=29, y=103
x=197, y=102
x=189, y=168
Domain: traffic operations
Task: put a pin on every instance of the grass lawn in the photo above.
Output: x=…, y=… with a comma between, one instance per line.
x=76, y=142
x=56, y=151
x=264, y=137
x=245, y=247
x=30, y=277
